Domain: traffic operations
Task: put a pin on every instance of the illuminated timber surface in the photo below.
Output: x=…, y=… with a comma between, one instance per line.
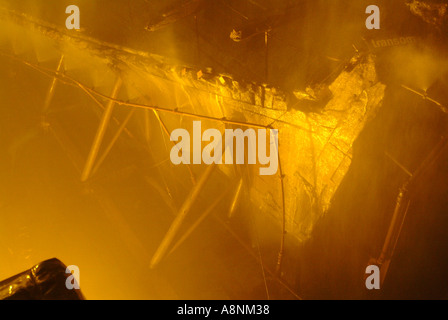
x=87, y=117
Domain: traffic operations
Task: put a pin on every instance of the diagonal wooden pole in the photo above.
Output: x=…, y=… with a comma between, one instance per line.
x=112, y=142
x=175, y=226
x=100, y=133
x=50, y=93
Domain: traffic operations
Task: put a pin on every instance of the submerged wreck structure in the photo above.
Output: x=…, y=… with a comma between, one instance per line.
x=139, y=98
